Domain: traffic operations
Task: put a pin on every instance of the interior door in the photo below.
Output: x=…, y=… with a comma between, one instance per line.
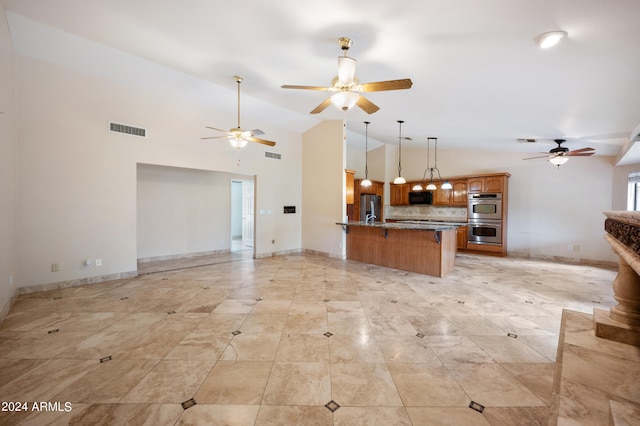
x=247, y=213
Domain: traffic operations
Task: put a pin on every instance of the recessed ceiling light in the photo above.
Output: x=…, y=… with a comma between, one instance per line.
x=549, y=39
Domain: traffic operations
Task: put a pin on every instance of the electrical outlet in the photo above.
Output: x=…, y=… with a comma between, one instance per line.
x=55, y=267
x=98, y=262
x=576, y=247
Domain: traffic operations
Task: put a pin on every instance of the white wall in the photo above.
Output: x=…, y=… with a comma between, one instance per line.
x=77, y=181
x=182, y=211
x=323, y=197
x=8, y=147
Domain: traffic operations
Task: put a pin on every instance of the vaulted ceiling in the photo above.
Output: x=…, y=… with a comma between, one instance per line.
x=479, y=80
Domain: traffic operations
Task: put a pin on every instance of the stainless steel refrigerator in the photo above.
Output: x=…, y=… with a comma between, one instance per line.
x=370, y=205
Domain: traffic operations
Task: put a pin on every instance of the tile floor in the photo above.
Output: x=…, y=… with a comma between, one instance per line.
x=296, y=339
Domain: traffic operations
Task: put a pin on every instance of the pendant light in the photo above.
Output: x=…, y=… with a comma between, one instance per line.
x=432, y=186
x=366, y=182
x=400, y=180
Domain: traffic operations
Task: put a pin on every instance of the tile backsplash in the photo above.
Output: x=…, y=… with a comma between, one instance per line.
x=426, y=212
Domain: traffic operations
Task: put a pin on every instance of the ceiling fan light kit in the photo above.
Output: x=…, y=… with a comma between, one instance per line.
x=345, y=100
x=558, y=160
x=237, y=137
x=549, y=39
x=559, y=155
x=347, y=87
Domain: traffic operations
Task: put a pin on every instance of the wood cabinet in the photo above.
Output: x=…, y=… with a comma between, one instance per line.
x=461, y=234
x=493, y=183
x=428, y=252
x=442, y=197
x=399, y=194
x=456, y=196
x=459, y=193
x=376, y=188
x=350, y=174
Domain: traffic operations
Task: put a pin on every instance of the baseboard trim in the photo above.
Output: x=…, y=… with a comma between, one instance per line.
x=7, y=307
x=78, y=282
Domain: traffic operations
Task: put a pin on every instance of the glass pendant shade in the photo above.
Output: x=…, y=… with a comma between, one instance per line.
x=366, y=183
x=417, y=187
x=399, y=180
x=345, y=100
x=432, y=186
x=238, y=142
x=446, y=185
x=346, y=69
x=558, y=160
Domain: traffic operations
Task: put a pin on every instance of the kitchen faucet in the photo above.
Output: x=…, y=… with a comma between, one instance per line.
x=370, y=217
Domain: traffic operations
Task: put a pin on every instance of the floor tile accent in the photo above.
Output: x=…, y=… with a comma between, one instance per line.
x=332, y=406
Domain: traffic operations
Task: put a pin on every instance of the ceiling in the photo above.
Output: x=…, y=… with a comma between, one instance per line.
x=479, y=80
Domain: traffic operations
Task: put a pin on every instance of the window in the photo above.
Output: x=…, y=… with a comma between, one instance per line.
x=633, y=196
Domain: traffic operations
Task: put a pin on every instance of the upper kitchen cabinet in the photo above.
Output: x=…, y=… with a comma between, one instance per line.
x=376, y=188
x=442, y=197
x=459, y=193
x=457, y=196
x=488, y=183
x=349, y=186
x=399, y=194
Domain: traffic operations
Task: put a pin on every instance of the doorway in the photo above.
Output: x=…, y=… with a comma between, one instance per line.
x=242, y=215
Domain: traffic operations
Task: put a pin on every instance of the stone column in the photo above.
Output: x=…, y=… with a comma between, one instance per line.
x=622, y=324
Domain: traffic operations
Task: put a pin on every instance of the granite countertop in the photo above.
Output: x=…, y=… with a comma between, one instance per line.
x=409, y=225
x=447, y=220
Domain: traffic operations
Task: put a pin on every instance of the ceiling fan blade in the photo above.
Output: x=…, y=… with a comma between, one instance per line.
x=216, y=129
x=346, y=69
x=366, y=105
x=578, y=154
x=322, y=106
x=540, y=156
x=262, y=141
x=379, y=86
x=215, y=137
x=292, y=86
x=581, y=150
x=256, y=132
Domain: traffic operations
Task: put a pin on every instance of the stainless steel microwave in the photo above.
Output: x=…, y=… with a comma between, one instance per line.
x=420, y=197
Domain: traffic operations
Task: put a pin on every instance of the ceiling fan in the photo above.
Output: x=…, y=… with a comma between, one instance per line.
x=236, y=135
x=348, y=89
x=560, y=154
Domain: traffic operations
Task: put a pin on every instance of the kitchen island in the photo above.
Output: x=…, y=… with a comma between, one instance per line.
x=416, y=247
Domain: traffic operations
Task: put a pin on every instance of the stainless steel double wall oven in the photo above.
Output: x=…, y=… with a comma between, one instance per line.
x=485, y=218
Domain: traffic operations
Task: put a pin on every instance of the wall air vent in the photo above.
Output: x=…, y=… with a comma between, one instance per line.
x=129, y=130
x=273, y=155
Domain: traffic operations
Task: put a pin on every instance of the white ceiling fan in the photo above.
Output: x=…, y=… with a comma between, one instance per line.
x=348, y=90
x=236, y=135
